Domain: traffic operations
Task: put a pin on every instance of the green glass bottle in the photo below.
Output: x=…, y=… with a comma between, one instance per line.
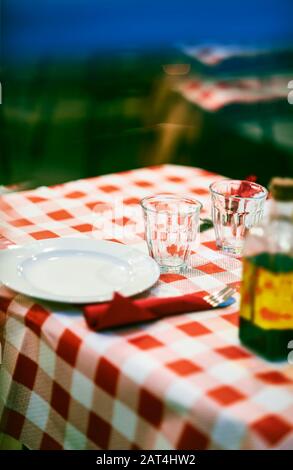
x=266, y=311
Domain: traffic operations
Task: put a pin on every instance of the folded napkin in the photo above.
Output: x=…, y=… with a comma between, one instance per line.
x=123, y=311
x=246, y=188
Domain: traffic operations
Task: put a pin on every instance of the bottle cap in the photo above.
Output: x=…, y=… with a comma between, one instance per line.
x=282, y=189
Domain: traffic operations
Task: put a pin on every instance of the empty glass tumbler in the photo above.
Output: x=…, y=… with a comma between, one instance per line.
x=171, y=227
x=236, y=207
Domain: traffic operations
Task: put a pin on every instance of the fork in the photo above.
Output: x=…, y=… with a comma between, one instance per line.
x=220, y=297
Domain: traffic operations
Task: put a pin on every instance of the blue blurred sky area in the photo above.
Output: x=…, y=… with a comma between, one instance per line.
x=80, y=27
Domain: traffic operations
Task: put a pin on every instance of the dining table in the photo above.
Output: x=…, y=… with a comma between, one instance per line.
x=180, y=382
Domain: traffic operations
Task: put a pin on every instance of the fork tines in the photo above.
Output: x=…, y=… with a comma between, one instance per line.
x=218, y=298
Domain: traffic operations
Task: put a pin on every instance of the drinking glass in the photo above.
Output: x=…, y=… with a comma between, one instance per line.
x=236, y=207
x=171, y=227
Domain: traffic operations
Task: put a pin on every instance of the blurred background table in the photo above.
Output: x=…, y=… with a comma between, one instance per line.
x=89, y=90
x=65, y=120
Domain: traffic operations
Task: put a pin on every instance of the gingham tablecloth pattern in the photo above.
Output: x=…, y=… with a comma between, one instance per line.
x=183, y=382
x=214, y=55
x=212, y=95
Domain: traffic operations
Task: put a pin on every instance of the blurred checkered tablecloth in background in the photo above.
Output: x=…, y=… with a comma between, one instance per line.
x=183, y=382
x=214, y=94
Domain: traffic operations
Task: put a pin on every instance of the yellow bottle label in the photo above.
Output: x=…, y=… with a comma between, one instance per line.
x=267, y=297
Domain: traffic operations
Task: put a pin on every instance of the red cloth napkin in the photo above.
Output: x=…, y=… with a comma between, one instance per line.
x=245, y=189
x=125, y=311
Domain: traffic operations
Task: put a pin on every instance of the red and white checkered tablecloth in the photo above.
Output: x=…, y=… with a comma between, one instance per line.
x=183, y=382
x=212, y=95
x=213, y=55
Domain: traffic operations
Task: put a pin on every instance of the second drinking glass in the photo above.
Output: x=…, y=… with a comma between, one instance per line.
x=236, y=207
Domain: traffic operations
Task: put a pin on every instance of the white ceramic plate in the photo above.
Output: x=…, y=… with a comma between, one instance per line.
x=77, y=270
